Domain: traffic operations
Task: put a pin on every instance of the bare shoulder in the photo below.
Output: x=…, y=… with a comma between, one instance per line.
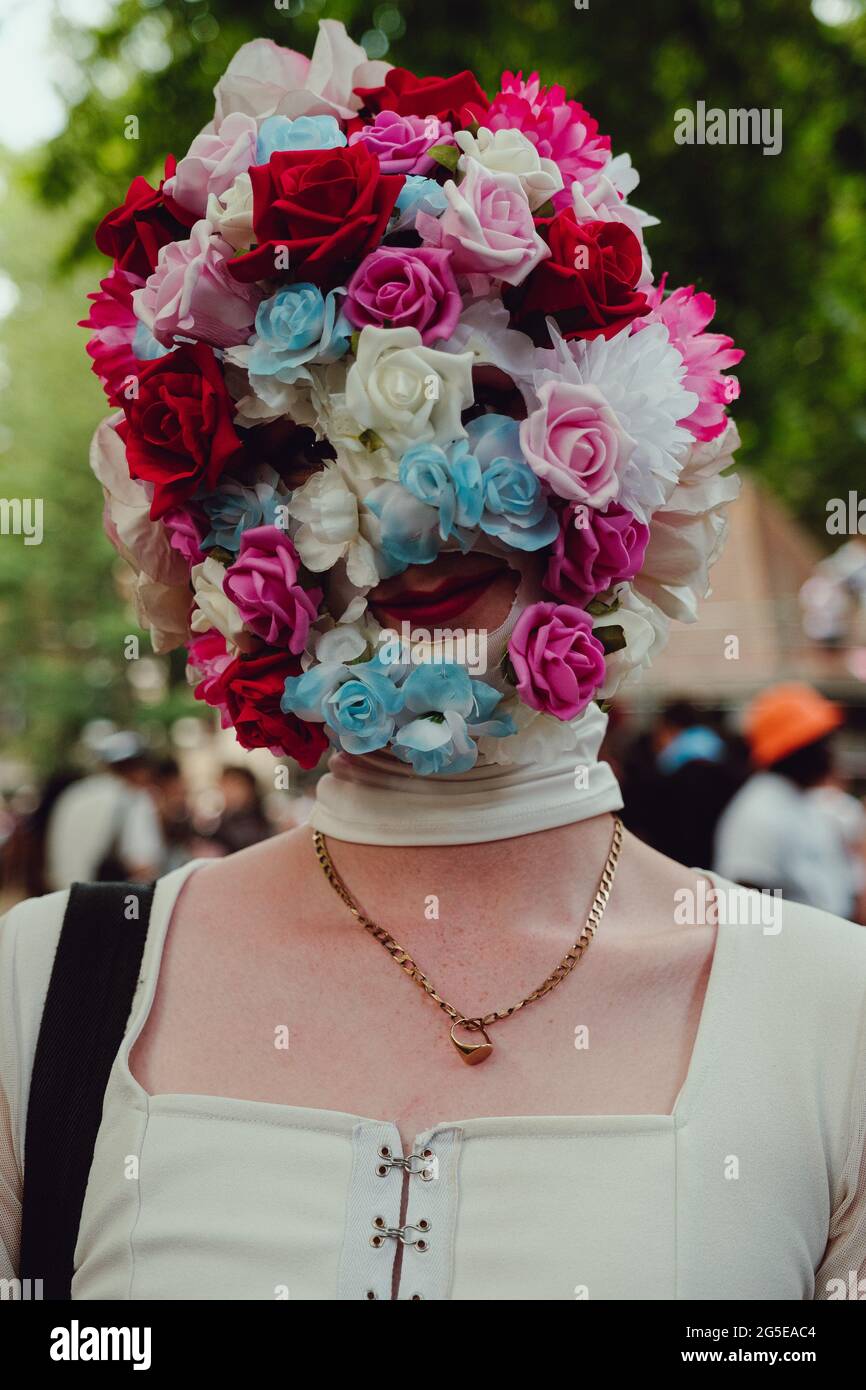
x=659, y=890
x=253, y=886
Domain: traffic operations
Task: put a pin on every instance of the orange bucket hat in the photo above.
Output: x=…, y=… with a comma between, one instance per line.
x=785, y=718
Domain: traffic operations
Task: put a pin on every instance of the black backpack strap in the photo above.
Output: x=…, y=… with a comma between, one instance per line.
x=96, y=970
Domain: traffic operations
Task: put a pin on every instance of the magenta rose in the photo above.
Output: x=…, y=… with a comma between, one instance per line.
x=263, y=585
x=575, y=443
x=186, y=533
x=405, y=287
x=594, y=550
x=400, y=143
x=558, y=663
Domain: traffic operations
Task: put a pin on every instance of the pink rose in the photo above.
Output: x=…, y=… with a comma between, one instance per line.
x=488, y=226
x=186, y=533
x=192, y=294
x=400, y=143
x=558, y=663
x=213, y=163
x=406, y=287
x=265, y=79
x=575, y=443
x=685, y=315
x=593, y=551
x=263, y=584
x=114, y=323
x=208, y=659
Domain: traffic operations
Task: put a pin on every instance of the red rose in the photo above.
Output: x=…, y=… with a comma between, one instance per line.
x=588, y=283
x=251, y=689
x=326, y=207
x=135, y=232
x=178, y=430
x=459, y=99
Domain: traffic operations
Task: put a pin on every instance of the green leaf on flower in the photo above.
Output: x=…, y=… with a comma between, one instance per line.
x=611, y=636
x=546, y=210
x=599, y=609
x=224, y=556
x=353, y=341
x=447, y=155
x=371, y=441
x=435, y=716
x=605, y=705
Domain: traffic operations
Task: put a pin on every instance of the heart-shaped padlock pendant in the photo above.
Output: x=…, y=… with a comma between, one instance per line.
x=472, y=1053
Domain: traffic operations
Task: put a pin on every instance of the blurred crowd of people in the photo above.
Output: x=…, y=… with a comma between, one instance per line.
x=766, y=808
x=130, y=818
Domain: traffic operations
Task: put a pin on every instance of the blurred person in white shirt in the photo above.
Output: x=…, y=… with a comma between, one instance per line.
x=774, y=835
x=106, y=826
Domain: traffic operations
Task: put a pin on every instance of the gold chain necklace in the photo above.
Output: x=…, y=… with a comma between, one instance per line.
x=479, y=1051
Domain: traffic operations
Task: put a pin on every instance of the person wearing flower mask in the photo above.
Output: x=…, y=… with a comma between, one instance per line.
x=461, y=1037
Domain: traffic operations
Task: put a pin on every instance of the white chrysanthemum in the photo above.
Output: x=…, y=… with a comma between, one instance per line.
x=331, y=527
x=688, y=532
x=642, y=383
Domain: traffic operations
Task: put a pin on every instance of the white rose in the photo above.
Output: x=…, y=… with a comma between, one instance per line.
x=214, y=608
x=688, y=532
x=330, y=528
x=645, y=633
x=510, y=152
x=407, y=393
x=231, y=214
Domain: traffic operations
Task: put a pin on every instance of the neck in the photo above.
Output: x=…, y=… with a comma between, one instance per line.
x=513, y=887
x=376, y=800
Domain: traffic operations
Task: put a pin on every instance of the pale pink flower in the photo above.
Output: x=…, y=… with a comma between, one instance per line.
x=213, y=163
x=575, y=443
x=488, y=226
x=191, y=293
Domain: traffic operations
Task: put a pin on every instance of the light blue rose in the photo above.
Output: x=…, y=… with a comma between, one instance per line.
x=436, y=744
x=302, y=133
x=450, y=482
x=234, y=507
x=360, y=712
x=452, y=711
x=418, y=194
x=305, y=695
x=438, y=686
x=297, y=326
x=513, y=506
x=144, y=346
x=407, y=528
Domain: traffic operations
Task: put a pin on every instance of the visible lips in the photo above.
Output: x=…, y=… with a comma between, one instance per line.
x=413, y=598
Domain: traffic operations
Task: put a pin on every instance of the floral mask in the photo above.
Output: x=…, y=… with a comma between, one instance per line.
x=389, y=353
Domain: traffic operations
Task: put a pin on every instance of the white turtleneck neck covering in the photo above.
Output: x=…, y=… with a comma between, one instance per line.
x=378, y=800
